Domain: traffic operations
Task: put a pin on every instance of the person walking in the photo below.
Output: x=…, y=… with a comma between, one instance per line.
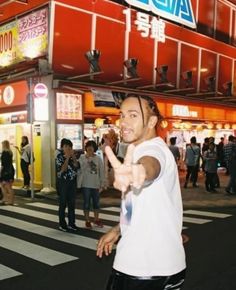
x=66, y=168
x=192, y=158
x=150, y=253
x=25, y=152
x=7, y=173
x=230, y=159
x=210, y=158
x=91, y=182
x=174, y=149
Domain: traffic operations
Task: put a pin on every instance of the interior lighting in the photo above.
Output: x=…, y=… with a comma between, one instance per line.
x=164, y=124
x=99, y=122
x=210, y=125
x=227, y=126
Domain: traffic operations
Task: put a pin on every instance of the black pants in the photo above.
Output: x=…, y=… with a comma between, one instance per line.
x=192, y=173
x=25, y=171
x=67, y=194
x=210, y=181
x=120, y=281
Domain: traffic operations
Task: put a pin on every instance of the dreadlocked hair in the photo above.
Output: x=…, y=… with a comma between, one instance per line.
x=151, y=104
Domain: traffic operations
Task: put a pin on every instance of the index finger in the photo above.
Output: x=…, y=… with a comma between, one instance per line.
x=115, y=163
x=129, y=155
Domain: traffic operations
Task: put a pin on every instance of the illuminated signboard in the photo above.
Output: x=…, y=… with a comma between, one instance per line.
x=183, y=111
x=176, y=10
x=26, y=37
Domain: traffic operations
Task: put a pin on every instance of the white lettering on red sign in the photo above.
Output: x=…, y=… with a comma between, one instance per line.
x=154, y=27
x=183, y=111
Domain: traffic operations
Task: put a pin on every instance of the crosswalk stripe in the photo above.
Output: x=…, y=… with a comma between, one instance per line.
x=112, y=208
x=6, y=272
x=36, y=252
x=195, y=220
x=77, y=211
x=48, y=217
x=207, y=213
x=68, y=238
x=111, y=217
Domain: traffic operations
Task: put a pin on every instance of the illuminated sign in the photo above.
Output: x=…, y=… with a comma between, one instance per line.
x=176, y=10
x=155, y=28
x=41, y=102
x=26, y=37
x=183, y=111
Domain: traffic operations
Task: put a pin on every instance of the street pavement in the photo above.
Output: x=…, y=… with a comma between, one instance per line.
x=192, y=197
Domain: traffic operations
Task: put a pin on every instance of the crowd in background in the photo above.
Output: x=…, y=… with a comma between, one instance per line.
x=208, y=158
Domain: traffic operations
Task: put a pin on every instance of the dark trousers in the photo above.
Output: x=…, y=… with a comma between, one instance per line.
x=25, y=171
x=210, y=181
x=120, y=281
x=67, y=193
x=192, y=173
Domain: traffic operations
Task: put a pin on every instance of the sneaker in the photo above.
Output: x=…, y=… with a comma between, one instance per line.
x=73, y=228
x=63, y=228
x=98, y=223
x=88, y=224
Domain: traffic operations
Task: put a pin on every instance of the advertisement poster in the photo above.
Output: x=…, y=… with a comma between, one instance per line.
x=69, y=106
x=72, y=132
x=24, y=38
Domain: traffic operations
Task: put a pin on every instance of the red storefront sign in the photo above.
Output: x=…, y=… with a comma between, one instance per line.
x=13, y=94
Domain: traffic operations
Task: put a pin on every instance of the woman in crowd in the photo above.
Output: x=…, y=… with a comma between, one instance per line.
x=7, y=173
x=25, y=152
x=91, y=181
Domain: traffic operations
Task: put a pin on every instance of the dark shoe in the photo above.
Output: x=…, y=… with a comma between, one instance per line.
x=185, y=185
x=73, y=228
x=195, y=185
x=63, y=228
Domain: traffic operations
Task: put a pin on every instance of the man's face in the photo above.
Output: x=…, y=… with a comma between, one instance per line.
x=131, y=121
x=67, y=150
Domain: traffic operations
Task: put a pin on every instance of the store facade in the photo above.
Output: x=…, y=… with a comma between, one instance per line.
x=85, y=49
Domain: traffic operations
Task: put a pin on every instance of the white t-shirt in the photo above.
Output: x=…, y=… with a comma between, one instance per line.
x=151, y=222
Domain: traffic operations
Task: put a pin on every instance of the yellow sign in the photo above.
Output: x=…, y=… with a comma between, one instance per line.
x=24, y=38
x=8, y=44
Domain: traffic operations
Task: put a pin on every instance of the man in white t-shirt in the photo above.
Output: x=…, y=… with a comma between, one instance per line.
x=150, y=253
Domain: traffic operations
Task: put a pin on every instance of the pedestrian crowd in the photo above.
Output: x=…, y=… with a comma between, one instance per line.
x=208, y=158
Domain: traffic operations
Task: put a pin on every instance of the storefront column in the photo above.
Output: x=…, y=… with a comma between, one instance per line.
x=48, y=142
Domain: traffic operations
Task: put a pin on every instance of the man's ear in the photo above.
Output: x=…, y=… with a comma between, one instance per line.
x=152, y=122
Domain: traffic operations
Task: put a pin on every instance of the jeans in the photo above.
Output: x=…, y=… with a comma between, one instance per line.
x=88, y=194
x=25, y=171
x=120, y=281
x=67, y=193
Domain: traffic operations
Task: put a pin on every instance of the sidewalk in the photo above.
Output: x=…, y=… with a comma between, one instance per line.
x=192, y=197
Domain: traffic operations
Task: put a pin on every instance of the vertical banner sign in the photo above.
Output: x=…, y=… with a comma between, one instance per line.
x=33, y=34
x=41, y=102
